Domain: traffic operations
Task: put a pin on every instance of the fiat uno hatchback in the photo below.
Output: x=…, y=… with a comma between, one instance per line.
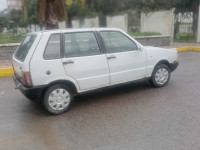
x=58, y=64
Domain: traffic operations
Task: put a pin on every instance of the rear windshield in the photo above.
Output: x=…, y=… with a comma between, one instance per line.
x=24, y=47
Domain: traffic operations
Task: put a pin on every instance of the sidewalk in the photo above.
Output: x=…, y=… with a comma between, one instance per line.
x=7, y=70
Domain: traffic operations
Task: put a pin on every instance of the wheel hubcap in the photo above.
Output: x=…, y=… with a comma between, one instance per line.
x=59, y=99
x=161, y=76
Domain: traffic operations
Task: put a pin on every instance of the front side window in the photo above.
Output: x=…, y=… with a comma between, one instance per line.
x=117, y=42
x=52, y=50
x=24, y=47
x=81, y=44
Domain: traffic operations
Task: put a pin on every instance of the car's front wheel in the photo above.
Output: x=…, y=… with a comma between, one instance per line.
x=58, y=99
x=160, y=76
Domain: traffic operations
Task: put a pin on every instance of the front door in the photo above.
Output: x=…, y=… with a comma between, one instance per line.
x=84, y=61
x=126, y=62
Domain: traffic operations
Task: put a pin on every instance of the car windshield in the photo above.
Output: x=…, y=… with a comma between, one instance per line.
x=24, y=47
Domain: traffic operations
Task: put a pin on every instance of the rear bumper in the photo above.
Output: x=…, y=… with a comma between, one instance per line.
x=30, y=92
x=174, y=65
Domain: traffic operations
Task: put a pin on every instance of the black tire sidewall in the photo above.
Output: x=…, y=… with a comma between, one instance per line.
x=153, y=82
x=49, y=91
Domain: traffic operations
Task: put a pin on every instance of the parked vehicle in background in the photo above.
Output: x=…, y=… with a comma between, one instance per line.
x=58, y=64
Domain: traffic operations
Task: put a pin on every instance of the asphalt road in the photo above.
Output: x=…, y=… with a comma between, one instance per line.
x=134, y=116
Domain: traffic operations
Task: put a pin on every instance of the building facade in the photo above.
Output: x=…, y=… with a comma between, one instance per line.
x=14, y=4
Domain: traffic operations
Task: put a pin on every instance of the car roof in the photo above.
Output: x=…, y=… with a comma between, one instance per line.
x=76, y=30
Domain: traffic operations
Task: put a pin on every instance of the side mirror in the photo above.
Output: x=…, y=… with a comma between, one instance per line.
x=140, y=48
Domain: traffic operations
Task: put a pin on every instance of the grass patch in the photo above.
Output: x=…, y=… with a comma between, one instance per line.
x=143, y=33
x=185, y=37
x=10, y=38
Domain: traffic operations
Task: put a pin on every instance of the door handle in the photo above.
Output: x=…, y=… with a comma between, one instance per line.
x=68, y=62
x=111, y=57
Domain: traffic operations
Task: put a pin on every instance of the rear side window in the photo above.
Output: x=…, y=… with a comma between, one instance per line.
x=24, y=47
x=81, y=44
x=52, y=50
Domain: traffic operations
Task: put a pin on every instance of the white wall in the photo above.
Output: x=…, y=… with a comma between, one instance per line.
x=62, y=25
x=91, y=22
x=75, y=24
x=120, y=21
x=160, y=21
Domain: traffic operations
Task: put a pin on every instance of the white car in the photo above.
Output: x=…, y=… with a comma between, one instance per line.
x=58, y=64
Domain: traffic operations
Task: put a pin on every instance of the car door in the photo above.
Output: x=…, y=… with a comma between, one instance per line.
x=84, y=61
x=126, y=62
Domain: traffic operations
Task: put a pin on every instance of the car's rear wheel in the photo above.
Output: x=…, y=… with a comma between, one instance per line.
x=160, y=76
x=58, y=99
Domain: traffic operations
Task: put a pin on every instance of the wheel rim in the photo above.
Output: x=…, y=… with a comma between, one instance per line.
x=59, y=99
x=161, y=76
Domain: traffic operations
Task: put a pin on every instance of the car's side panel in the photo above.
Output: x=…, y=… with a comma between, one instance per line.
x=154, y=55
x=44, y=71
x=89, y=71
x=127, y=66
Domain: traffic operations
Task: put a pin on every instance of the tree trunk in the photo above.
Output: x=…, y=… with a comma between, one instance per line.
x=51, y=18
x=195, y=18
x=69, y=22
x=176, y=27
x=195, y=23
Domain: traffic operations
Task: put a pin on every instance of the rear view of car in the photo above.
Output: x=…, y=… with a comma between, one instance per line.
x=21, y=60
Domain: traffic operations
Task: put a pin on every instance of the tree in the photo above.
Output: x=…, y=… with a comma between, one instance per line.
x=16, y=18
x=105, y=7
x=32, y=12
x=76, y=8
x=50, y=12
x=183, y=6
x=4, y=22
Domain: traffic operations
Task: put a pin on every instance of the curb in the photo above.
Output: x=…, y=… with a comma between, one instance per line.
x=7, y=72
x=188, y=48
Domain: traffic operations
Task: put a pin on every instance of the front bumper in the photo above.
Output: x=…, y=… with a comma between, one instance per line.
x=173, y=65
x=32, y=93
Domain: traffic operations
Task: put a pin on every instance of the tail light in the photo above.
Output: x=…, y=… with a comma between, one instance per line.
x=26, y=79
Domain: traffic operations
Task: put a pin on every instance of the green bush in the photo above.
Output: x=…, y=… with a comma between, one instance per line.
x=143, y=33
x=185, y=37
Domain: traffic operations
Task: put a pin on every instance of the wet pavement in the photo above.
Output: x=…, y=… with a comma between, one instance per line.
x=134, y=116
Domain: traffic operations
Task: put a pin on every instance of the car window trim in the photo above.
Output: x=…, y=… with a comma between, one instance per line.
x=106, y=50
x=47, y=44
x=101, y=42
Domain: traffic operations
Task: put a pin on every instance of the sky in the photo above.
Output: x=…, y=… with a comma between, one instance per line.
x=3, y=5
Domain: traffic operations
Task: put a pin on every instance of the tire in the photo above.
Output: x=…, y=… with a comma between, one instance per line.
x=58, y=99
x=160, y=76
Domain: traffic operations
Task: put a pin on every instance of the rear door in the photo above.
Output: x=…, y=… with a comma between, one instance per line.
x=22, y=55
x=84, y=61
x=126, y=61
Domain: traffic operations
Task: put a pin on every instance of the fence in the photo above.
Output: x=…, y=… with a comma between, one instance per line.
x=185, y=28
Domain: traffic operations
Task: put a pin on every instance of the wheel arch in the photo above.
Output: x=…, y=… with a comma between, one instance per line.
x=68, y=83
x=165, y=62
